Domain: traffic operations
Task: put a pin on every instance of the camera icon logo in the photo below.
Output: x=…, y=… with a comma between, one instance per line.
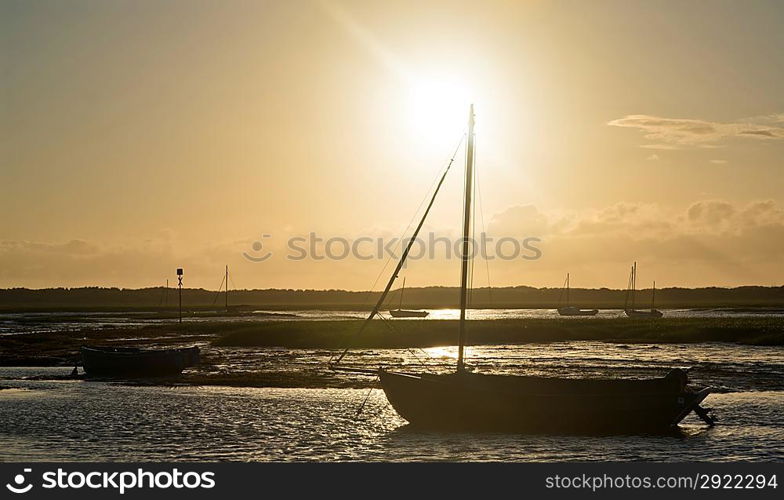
x=258, y=246
x=19, y=481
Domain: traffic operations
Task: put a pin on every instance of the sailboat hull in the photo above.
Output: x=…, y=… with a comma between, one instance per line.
x=637, y=313
x=576, y=311
x=467, y=401
x=403, y=313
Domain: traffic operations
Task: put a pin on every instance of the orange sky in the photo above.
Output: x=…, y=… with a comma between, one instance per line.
x=141, y=136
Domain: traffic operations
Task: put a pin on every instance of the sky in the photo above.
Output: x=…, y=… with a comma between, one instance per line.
x=141, y=136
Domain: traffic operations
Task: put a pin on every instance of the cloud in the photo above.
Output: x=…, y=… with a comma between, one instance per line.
x=662, y=147
x=708, y=242
x=772, y=118
x=639, y=221
x=711, y=213
x=673, y=133
x=520, y=219
x=718, y=162
x=643, y=220
x=73, y=248
x=653, y=157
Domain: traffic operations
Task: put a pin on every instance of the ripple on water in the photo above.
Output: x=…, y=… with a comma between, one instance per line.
x=96, y=421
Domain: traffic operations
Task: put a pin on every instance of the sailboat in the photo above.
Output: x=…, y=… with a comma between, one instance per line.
x=406, y=313
x=224, y=281
x=464, y=399
x=570, y=310
x=631, y=291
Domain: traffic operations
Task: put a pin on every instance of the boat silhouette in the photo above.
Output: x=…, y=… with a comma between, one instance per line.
x=135, y=362
x=463, y=399
x=570, y=310
x=631, y=293
x=406, y=313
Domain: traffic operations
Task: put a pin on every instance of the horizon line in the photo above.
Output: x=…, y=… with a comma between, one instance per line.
x=160, y=287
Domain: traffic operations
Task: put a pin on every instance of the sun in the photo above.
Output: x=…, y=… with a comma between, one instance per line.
x=438, y=108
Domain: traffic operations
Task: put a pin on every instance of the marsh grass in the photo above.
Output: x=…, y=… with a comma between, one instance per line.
x=403, y=334
x=62, y=348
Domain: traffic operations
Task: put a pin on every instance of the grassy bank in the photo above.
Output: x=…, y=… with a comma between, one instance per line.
x=239, y=353
x=62, y=348
x=402, y=334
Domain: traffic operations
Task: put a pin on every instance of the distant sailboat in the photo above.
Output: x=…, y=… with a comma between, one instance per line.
x=226, y=279
x=570, y=310
x=224, y=282
x=405, y=313
x=631, y=291
x=465, y=399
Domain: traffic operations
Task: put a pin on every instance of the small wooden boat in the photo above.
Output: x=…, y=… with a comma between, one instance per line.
x=631, y=292
x=406, y=313
x=473, y=401
x=576, y=311
x=135, y=362
x=642, y=313
x=569, y=310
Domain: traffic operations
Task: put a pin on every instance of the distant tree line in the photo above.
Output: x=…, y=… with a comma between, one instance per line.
x=96, y=298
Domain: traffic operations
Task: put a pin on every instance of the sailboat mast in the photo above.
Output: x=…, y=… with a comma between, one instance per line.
x=567, y=289
x=334, y=361
x=469, y=182
x=403, y=289
x=634, y=282
x=628, y=290
x=653, y=296
x=227, y=287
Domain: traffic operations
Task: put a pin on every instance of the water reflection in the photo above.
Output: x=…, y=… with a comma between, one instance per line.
x=96, y=421
x=14, y=323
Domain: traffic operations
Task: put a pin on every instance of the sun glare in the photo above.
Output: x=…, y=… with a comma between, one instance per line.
x=438, y=108
x=442, y=352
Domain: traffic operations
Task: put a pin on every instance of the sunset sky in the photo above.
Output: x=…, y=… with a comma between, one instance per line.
x=141, y=136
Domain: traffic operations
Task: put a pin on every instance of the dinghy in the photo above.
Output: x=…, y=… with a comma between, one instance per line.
x=135, y=362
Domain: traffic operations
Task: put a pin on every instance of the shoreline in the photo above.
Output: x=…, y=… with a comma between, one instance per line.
x=293, y=354
x=163, y=299
x=62, y=348
x=291, y=310
x=338, y=334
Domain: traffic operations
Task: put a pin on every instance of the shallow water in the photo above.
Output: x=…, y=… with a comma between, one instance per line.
x=16, y=323
x=722, y=366
x=77, y=420
x=725, y=367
